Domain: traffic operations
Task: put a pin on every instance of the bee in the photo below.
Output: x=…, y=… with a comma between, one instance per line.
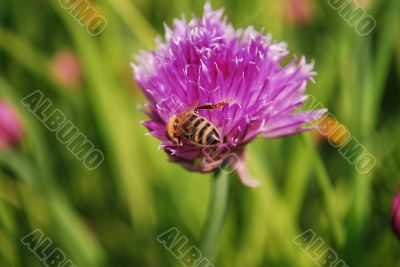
x=192, y=127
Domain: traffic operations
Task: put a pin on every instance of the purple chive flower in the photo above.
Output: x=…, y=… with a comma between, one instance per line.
x=11, y=130
x=396, y=215
x=205, y=60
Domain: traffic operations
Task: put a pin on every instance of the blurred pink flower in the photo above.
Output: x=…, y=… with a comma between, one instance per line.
x=66, y=69
x=299, y=12
x=396, y=215
x=11, y=129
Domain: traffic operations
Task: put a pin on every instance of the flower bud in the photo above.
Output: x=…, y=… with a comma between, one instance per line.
x=11, y=129
x=66, y=69
x=396, y=215
x=299, y=12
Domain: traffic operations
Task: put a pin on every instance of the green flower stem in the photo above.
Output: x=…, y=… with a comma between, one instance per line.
x=216, y=214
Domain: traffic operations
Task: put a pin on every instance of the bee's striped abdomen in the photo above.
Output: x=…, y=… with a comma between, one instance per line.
x=200, y=131
x=191, y=122
x=211, y=136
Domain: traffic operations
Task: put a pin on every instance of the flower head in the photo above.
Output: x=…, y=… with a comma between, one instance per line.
x=238, y=72
x=396, y=215
x=11, y=129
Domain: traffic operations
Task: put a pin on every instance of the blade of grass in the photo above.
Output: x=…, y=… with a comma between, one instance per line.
x=328, y=194
x=383, y=58
x=279, y=224
x=371, y=98
x=87, y=250
x=135, y=21
x=29, y=57
x=116, y=126
x=297, y=177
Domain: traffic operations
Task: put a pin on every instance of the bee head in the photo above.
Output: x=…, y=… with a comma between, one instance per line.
x=172, y=128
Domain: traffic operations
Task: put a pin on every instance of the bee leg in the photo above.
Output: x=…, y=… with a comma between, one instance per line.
x=211, y=106
x=175, y=140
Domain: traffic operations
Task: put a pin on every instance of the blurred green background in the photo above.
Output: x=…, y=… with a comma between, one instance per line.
x=112, y=216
